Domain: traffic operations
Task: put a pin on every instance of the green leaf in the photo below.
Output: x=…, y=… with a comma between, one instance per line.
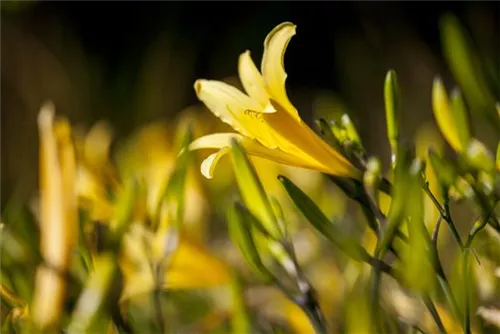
x=351, y=132
x=251, y=190
x=445, y=171
x=172, y=200
x=320, y=222
x=94, y=299
x=372, y=178
x=327, y=133
x=498, y=157
x=479, y=157
x=399, y=197
x=240, y=230
x=240, y=318
x=465, y=66
x=461, y=119
x=392, y=98
x=452, y=125
x=125, y=205
x=418, y=271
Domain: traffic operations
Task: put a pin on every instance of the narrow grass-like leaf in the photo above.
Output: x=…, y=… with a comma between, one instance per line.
x=351, y=131
x=396, y=211
x=461, y=117
x=240, y=318
x=125, y=204
x=95, y=296
x=372, y=178
x=446, y=173
x=451, y=120
x=240, y=230
x=327, y=133
x=319, y=221
x=465, y=67
x=172, y=199
x=479, y=156
x=392, y=98
x=418, y=271
x=498, y=157
x=251, y=190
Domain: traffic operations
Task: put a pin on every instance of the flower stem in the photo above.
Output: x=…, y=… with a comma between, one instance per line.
x=445, y=213
x=433, y=311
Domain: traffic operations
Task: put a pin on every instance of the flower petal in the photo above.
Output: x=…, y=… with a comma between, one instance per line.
x=308, y=145
x=208, y=165
x=236, y=109
x=253, y=147
x=252, y=80
x=272, y=66
x=226, y=102
x=214, y=141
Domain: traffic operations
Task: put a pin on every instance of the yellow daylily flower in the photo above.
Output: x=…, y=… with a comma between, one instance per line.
x=58, y=216
x=269, y=126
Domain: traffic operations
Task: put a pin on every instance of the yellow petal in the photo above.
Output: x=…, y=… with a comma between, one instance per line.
x=96, y=145
x=194, y=267
x=51, y=199
x=215, y=141
x=218, y=96
x=235, y=108
x=272, y=66
x=308, y=145
x=444, y=115
x=58, y=216
x=252, y=80
x=208, y=165
x=253, y=147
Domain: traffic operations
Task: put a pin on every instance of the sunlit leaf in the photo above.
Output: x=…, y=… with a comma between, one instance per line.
x=311, y=211
x=451, y=117
x=172, y=200
x=93, y=301
x=240, y=229
x=392, y=98
x=479, y=156
x=251, y=190
x=445, y=171
x=352, y=133
x=465, y=67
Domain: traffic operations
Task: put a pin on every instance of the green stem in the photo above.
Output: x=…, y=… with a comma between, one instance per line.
x=438, y=268
x=445, y=213
x=443, y=282
x=478, y=226
x=433, y=311
x=465, y=272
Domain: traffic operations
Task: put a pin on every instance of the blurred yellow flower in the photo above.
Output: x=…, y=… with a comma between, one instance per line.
x=189, y=266
x=58, y=216
x=149, y=156
x=269, y=126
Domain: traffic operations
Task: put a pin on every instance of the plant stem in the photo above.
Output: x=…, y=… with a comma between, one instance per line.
x=435, y=232
x=438, y=268
x=445, y=213
x=478, y=226
x=465, y=272
x=433, y=311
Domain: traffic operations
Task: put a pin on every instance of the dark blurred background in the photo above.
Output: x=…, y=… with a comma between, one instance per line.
x=133, y=62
